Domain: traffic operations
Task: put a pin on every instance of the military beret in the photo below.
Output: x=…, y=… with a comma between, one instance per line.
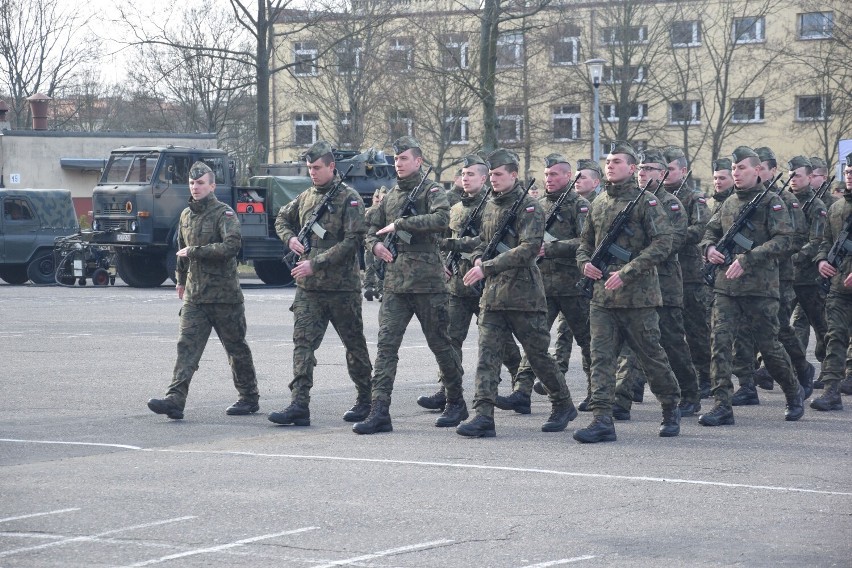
x=404, y=143
x=672, y=153
x=622, y=147
x=317, y=151
x=818, y=163
x=502, y=157
x=765, y=154
x=740, y=153
x=552, y=159
x=849, y=160
x=720, y=164
x=589, y=165
x=198, y=169
x=652, y=156
x=799, y=162
x=472, y=160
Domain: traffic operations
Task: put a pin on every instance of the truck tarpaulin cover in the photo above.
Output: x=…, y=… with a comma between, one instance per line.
x=280, y=190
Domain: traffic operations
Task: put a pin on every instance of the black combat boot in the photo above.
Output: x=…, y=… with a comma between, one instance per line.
x=746, y=395
x=560, y=415
x=480, y=427
x=378, y=420
x=584, y=405
x=795, y=408
x=763, y=379
x=538, y=387
x=242, y=408
x=437, y=401
x=620, y=413
x=369, y=293
x=453, y=414
x=166, y=406
x=601, y=429
x=719, y=416
x=689, y=408
x=517, y=401
x=845, y=386
x=830, y=398
x=704, y=389
x=358, y=412
x=806, y=379
x=297, y=414
x=670, y=426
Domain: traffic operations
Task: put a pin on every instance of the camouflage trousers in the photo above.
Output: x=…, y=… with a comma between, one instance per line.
x=761, y=315
x=433, y=314
x=697, y=298
x=462, y=310
x=371, y=279
x=531, y=329
x=564, y=343
x=575, y=310
x=786, y=335
x=809, y=311
x=639, y=329
x=744, y=360
x=312, y=312
x=196, y=322
x=838, y=312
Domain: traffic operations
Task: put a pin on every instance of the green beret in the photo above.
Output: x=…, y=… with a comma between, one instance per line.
x=502, y=157
x=317, y=151
x=740, y=153
x=720, y=164
x=765, y=154
x=818, y=163
x=652, y=156
x=672, y=153
x=849, y=160
x=472, y=160
x=799, y=162
x=404, y=143
x=198, y=169
x=589, y=165
x=622, y=147
x=552, y=159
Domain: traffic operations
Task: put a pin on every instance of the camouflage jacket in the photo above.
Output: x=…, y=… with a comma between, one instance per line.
x=649, y=244
x=771, y=235
x=718, y=199
x=212, y=231
x=799, y=237
x=837, y=216
x=512, y=279
x=804, y=269
x=669, y=271
x=465, y=245
x=418, y=269
x=558, y=266
x=698, y=214
x=334, y=257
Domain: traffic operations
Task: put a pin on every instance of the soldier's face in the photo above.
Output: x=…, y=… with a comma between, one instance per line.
x=847, y=176
x=676, y=174
x=766, y=173
x=800, y=179
x=502, y=179
x=406, y=164
x=722, y=181
x=650, y=172
x=818, y=178
x=745, y=174
x=202, y=187
x=587, y=183
x=473, y=179
x=556, y=177
x=618, y=169
x=320, y=173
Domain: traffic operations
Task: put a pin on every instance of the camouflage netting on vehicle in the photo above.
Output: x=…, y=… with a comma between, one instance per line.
x=54, y=208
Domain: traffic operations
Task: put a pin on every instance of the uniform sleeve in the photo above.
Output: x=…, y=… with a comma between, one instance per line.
x=780, y=230
x=354, y=229
x=436, y=220
x=229, y=230
x=699, y=216
x=658, y=229
x=182, y=265
x=586, y=243
x=287, y=223
x=818, y=216
x=375, y=220
x=567, y=248
x=712, y=232
x=680, y=225
x=529, y=225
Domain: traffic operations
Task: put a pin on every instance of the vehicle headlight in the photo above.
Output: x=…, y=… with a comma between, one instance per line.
x=96, y=225
x=133, y=226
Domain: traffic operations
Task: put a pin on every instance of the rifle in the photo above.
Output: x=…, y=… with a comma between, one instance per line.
x=556, y=214
x=841, y=247
x=507, y=227
x=393, y=238
x=607, y=251
x=733, y=237
x=817, y=194
x=469, y=229
x=312, y=225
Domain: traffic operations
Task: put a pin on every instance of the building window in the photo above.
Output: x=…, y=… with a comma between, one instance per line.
x=816, y=25
x=401, y=124
x=454, y=52
x=623, y=35
x=510, y=124
x=688, y=112
x=456, y=127
x=349, y=57
x=813, y=107
x=566, y=123
x=634, y=73
x=566, y=46
x=746, y=110
x=401, y=54
x=305, y=58
x=637, y=111
x=686, y=34
x=749, y=30
x=510, y=49
x=305, y=128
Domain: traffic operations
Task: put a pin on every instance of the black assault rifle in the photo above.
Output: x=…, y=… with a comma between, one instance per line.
x=312, y=225
x=556, y=213
x=507, y=227
x=469, y=229
x=607, y=251
x=841, y=247
x=393, y=238
x=817, y=194
x=733, y=237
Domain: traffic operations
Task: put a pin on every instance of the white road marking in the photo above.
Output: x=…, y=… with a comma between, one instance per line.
x=220, y=547
x=121, y=446
x=560, y=562
x=389, y=552
x=58, y=511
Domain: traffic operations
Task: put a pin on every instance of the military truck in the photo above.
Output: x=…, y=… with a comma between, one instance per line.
x=31, y=221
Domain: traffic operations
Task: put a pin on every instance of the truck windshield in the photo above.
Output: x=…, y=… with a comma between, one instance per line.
x=130, y=168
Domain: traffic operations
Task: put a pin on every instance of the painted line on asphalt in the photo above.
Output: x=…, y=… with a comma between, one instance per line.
x=383, y=553
x=560, y=562
x=30, y=516
x=539, y=471
x=92, y=537
x=220, y=547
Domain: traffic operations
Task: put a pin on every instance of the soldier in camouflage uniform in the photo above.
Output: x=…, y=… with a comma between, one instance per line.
x=208, y=242
x=373, y=285
x=513, y=301
x=558, y=267
x=328, y=285
x=414, y=285
x=624, y=306
x=746, y=290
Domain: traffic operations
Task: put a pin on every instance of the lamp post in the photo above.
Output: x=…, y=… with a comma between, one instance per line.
x=595, y=73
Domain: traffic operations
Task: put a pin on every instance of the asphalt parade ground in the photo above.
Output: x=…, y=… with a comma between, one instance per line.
x=90, y=477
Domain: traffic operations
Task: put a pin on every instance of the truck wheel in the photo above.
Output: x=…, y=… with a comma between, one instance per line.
x=16, y=275
x=141, y=270
x=100, y=277
x=42, y=269
x=273, y=272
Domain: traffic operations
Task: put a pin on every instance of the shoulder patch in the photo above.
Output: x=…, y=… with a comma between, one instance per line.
x=795, y=205
x=530, y=209
x=675, y=207
x=777, y=207
x=702, y=200
x=823, y=213
x=434, y=189
x=652, y=202
x=229, y=213
x=353, y=203
x=584, y=209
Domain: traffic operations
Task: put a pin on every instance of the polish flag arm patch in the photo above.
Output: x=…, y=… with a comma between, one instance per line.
x=777, y=207
x=702, y=200
x=652, y=202
x=675, y=207
x=584, y=209
x=530, y=209
x=353, y=203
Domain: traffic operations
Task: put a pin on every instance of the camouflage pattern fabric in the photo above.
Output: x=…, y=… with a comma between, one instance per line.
x=465, y=245
x=838, y=312
x=837, y=215
x=627, y=375
x=669, y=270
x=809, y=311
x=805, y=271
x=799, y=237
x=698, y=215
x=786, y=335
x=744, y=362
x=558, y=266
x=697, y=299
x=564, y=342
